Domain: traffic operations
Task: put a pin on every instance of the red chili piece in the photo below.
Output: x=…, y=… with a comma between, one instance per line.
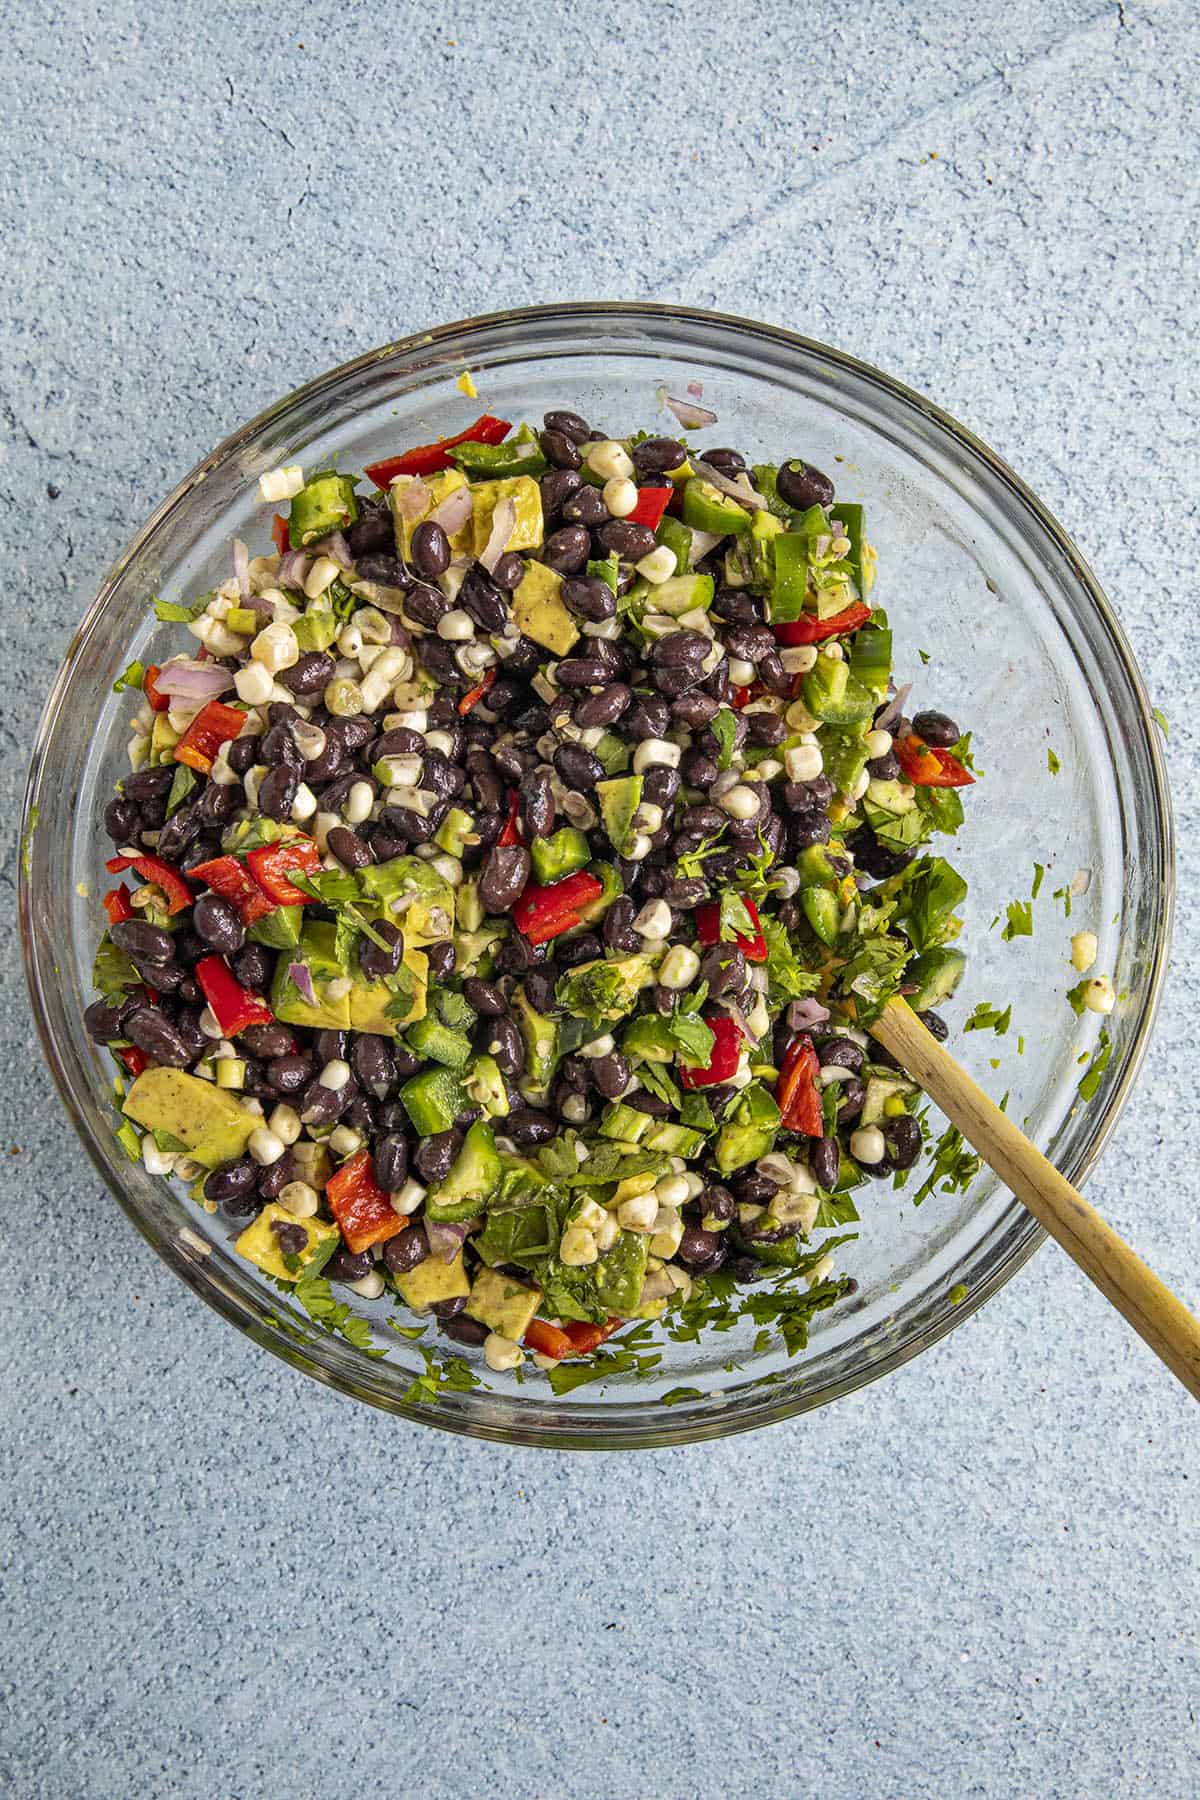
x=426, y=459
x=928, y=765
x=543, y=913
x=271, y=864
x=233, y=1006
x=364, y=1213
x=708, y=929
x=722, y=1065
x=226, y=876
x=796, y=1090
x=808, y=629
x=153, y=868
x=652, y=503
x=212, y=726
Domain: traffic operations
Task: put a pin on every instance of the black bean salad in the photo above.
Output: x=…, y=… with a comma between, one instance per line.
x=512, y=862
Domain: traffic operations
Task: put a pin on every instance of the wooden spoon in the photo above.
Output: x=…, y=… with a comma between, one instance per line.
x=1106, y=1259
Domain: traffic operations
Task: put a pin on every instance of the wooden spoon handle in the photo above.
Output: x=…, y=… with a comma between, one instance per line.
x=1106, y=1259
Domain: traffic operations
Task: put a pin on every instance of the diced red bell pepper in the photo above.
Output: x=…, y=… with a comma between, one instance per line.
x=652, y=503
x=116, y=905
x=928, y=765
x=364, y=1213
x=426, y=459
x=586, y=1338
x=233, y=1006
x=708, y=929
x=722, y=1065
x=808, y=629
x=158, y=702
x=279, y=532
x=543, y=913
x=476, y=694
x=547, y=1340
x=270, y=863
x=511, y=833
x=153, y=868
x=226, y=876
x=741, y=697
x=212, y=726
x=131, y=1059
x=796, y=1090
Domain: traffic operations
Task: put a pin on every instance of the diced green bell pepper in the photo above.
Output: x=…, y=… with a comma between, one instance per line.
x=559, y=855
x=791, y=577
x=439, y=1043
x=279, y=930
x=674, y=535
x=822, y=911
x=520, y=454
x=706, y=508
x=433, y=1100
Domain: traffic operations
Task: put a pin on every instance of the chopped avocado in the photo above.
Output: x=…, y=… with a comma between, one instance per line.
x=438, y=487
x=631, y=1187
x=468, y=907
x=625, y=1123
x=526, y=497
x=433, y=1100
x=370, y=1001
x=454, y=831
x=681, y=594
x=473, y=1179
x=259, y=1243
x=325, y=503
x=474, y=950
x=650, y=1037
x=614, y=753
x=705, y=508
x=163, y=738
x=485, y=1085
x=879, y=1091
x=427, y=915
x=620, y=796
x=540, y=612
x=278, y=930
x=937, y=972
x=559, y=855
x=315, y=630
x=749, y=1131
x=620, y=1272
x=433, y=1280
x=606, y=990
x=502, y=1304
x=212, y=1125
x=316, y=950
x=540, y=1036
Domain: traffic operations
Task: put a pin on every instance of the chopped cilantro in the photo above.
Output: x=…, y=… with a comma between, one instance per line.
x=954, y=1167
x=735, y=920
x=1160, y=719
x=989, y=1018
x=690, y=866
x=1075, y=996
x=1038, y=876
x=133, y=677
x=170, y=613
x=1020, y=921
x=924, y=655
x=724, y=729
x=181, y=787
x=1101, y=1056
x=1052, y=762
x=450, y=1373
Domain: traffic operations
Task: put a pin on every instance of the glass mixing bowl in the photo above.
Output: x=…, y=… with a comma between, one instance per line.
x=1022, y=646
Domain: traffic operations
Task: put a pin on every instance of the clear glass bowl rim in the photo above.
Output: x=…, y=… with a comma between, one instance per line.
x=578, y=1431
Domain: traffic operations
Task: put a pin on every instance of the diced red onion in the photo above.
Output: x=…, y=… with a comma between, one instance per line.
x=807, y=1014
x=412, y=499
x=400, y=636
x=690, y=416
x=241, y=566
x=702, y=543
x=751, y=501
x=696, y=389
x=454, y=511
x=445, y=1241
x=894, y=708
x=335, y=546
x=740, y=1020
x=293, y=569
x=191, y=679
x=300, y=976
x=503, y=520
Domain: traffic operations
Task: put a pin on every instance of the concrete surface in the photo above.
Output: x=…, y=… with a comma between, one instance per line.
x=977, y=1578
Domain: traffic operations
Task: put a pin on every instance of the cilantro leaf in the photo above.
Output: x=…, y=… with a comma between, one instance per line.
x=953, y=1169
x=989, y=1018
x=181, y=787
x=690, y=865
x=734, y=917
x=724, y=729
x=693, y=1036
x=1052, y=762
x=1020, y=921
x=1039, y=874
x=873, y=974
x=133, y=677
x=1160, y=719
x=171, y=613
x=787, y=978
x=1101, y=1056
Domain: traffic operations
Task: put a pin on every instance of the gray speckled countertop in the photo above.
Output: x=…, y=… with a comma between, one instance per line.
x=976, y=1578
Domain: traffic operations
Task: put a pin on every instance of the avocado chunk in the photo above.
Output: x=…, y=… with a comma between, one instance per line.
x=937, y=972
x=259, y=1243
x=620, y=1272
x=526, y=498
x=428, y=913
x=370, y=1000
x=540, y=612
x=278, y=930
x=325, y=503
x=749, y=1133
x=433, y=1280
x=316, y=951
x=539, y=1034
x=620, y=796
x=214, y=1126
x=502, y=1304
x=163, y=738
x=438, y=487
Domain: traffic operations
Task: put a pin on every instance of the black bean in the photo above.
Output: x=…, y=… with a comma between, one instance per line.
x=536, y=794
x=153, y=1032
x=851, y=1094
x=560, y=450
x=232, y=1182
x=765, y=729
x=716, y=1205
x=903, y=1137
x=218, y=924
x=375, y=962
x=505, y=1043
x=103, y=1022
x=749, y=641
x=808, y=796
x=372, y=530
x=580, y=769
x=277, y=792
x=753, y=1189
x=509, y=571
x=719, y=684
x=729, y=463
x=242, y=754
x=556, y=486
x=391, y=1160
x=347, y=1265
x=404, y=1251
x=349, y=848
x=935, y=1025
x=166, y=977
x=628, y=541
x=646, y=1102
x=569, y=424
x=449, y=1309
x=387, y=571
x=413, y=827
x=772, y=673
x=611, y=1074
x=589, y=597
x=699, y=770
x=566, y=550
x=695, y=710
x=144, y=942
x=745, y=1269
x=653, y=456
x=426, y=605
x=149, y=784
x=273, y=1179
x=311, y=675
x=489, y=789
x=430, y=550
x=435, y=1155
x=885, y=767
x=373, y=1065
x=320, y=1105
x=464, y=1330
x=482, y=600
x=660, y=785
x=516, y=954
x=709, y=745
x=841, y=1053
x=179, y=834
x=936, y=728
x=586, y=507
x=289, y=1074
x=278, y=748
x=441, y=958
x=697, y=1245
x=216, y=805
x=526, y=1126
x=685, y=890
x=504, y=876
x=649, y=716
x=269, y=1040
x=704, y=818
x=824, y=1160
x=874, y=858
x=485, y=997
x=573, y=952
x=122, y=820
x=806, y=829
x=800, y=486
